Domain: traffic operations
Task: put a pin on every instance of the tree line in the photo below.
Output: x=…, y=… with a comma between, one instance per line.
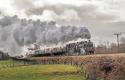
x=107, y=47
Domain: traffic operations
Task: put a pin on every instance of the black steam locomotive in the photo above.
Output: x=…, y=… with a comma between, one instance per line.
x=69, y=49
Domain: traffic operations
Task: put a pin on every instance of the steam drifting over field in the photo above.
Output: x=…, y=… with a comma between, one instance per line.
x=16, y=33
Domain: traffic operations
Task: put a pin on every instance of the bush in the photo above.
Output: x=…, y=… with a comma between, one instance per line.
x=99, y=67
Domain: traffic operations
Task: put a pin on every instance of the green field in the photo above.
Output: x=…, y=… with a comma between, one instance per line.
x=39, y=72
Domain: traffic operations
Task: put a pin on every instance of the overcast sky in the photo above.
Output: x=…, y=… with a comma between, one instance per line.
x=101, y=17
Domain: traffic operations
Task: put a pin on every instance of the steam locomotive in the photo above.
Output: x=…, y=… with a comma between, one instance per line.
x=68, y=49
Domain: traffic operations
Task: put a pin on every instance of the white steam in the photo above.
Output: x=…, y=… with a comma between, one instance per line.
x=17, y=33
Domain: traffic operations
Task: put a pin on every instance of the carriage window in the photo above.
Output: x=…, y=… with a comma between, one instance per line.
x=36, y=52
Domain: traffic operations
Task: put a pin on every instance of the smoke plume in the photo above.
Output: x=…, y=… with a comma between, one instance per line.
x=17, y=33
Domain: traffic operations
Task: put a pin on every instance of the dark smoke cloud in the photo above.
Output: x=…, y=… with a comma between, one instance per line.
x=1, y=12
x=100, y=16
x=84, y=12
x=60, y=8
x=17, y=33
x=23, y=4
x=63, y=13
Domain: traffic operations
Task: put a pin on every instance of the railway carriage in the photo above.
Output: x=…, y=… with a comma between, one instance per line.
x=68, y=49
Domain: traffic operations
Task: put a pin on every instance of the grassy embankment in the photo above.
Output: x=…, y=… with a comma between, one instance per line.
x=38, y=72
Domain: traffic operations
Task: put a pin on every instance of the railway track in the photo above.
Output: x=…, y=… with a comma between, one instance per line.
x=85, y=56
x=73, y=60
x=77, y=60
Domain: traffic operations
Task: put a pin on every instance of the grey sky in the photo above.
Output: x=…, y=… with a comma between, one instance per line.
x=102, y=17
